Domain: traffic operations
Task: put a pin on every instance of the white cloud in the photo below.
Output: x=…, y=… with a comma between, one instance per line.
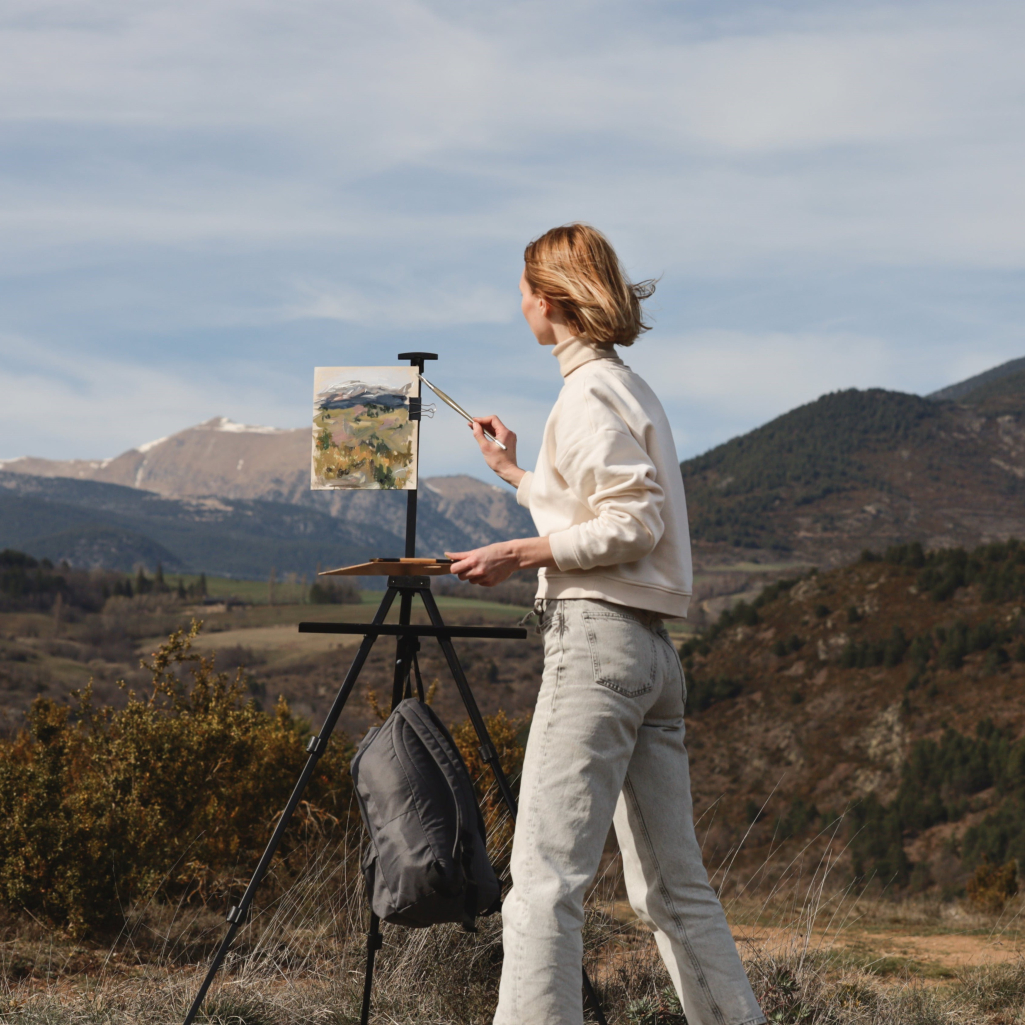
x=852, y=136
x=401, y=306
x=214, y=173
x=717, y=384
x=59, y=407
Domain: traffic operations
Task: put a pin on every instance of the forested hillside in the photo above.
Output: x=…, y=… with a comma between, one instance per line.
x=888, y=693
x=859, y=468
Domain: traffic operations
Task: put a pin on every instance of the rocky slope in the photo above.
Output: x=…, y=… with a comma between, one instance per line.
x=889, y=691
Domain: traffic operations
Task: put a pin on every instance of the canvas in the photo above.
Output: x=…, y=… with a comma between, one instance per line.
x=362, y=435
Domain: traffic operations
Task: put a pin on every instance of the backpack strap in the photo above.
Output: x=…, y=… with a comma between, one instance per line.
x=435, y=738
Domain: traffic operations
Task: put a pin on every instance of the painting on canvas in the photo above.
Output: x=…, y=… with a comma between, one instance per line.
x=362, y=435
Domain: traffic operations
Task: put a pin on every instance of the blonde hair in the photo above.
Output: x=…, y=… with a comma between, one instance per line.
x=576, y=269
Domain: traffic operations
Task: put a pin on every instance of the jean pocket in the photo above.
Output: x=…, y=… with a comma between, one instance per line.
x=624, y=656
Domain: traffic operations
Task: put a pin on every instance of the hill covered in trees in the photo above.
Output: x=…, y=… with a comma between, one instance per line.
x=876, y=467
x=878, y=704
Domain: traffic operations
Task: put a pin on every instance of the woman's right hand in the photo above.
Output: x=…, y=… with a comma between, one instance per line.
x=502, y=462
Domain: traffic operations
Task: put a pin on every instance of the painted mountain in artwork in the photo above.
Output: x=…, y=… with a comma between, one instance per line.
x=358, y=393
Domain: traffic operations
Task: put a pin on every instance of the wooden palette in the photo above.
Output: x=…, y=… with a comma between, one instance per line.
x=393, y=568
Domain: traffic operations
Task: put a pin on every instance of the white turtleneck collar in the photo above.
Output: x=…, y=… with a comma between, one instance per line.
x=576, y=351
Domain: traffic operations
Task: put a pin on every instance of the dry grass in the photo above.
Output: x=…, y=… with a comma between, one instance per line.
x=301, y=960
x=816, y=953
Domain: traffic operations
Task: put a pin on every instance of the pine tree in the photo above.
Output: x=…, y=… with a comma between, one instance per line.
x=202, y=585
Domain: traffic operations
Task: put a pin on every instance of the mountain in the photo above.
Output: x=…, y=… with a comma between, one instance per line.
x=219, y=457
x=858, y=469
x=244, y=479
x=854, y=469
x=961, y=391
x=1001, y=396
x=93, y=524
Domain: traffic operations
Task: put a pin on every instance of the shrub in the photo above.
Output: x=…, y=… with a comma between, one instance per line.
x=173, y=795
x=786, y=647
x=797, y=818
x=335, y=592
x=102, y=806
x=996, y=659
x=991, y=886
x=998, y=569
x=866, y=654
x=703, y=693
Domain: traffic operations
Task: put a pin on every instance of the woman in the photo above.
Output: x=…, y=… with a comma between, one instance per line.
x=606, y=743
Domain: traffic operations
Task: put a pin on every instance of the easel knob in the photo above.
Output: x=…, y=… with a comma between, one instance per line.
x=417, y=358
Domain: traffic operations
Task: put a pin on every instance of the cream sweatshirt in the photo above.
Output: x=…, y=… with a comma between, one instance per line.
x=607, y=490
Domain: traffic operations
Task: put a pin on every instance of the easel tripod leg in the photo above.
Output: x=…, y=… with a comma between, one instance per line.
x=487, y=751
x=374, y=942
x=316, y=747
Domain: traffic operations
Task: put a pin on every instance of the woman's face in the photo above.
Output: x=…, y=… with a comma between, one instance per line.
x=535, y=312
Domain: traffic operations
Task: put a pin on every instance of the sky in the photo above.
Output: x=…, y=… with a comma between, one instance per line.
x=202, y=200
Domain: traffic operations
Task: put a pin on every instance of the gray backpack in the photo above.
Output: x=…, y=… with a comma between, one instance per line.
x=427, y=859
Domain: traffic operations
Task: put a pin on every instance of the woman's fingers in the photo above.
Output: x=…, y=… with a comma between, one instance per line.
x=494, y=426
x=486, y=447
x=464, y=563
x=475, y=566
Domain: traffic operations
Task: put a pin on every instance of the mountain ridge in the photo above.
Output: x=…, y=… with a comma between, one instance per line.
x=857, y=469
x=964, y=389
x=95, y=524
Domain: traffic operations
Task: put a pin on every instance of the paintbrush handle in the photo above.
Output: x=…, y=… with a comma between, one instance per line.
x=449, y=401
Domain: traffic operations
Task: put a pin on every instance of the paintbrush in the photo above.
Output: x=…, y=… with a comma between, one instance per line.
x=449, y=401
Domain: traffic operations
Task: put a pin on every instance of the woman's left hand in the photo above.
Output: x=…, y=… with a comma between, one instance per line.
x=492, y=564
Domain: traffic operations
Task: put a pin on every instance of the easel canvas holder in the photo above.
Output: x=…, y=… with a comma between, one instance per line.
x=408, y=579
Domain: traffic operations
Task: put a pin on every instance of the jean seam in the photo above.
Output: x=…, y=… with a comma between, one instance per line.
x=671, y=907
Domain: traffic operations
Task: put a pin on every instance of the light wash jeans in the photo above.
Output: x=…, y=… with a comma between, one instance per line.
x=606, y=745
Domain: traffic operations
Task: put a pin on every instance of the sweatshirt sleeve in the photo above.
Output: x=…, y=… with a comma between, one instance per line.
x=611, y=473
x=523, y=489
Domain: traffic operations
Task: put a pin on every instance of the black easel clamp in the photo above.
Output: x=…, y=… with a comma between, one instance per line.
x=316, y=745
